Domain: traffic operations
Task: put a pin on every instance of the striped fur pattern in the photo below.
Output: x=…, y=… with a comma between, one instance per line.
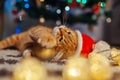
x=39, y=34
x=17, y=40
x=67, y=42
x=63, y=39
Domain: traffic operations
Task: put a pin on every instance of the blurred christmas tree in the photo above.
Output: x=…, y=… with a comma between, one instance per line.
x=86, y=11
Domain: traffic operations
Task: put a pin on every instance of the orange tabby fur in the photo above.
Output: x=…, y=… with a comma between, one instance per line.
x=17, y=40
x=67, y=41
x=39, y=34
x=64, y=40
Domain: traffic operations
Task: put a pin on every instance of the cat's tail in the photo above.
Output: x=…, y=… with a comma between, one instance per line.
x=13, y=40
x=9, y=41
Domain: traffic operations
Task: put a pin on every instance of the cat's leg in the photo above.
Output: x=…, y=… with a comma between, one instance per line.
x=43, y=36
x=47, y=41
x=21, y=47
x=27, y=53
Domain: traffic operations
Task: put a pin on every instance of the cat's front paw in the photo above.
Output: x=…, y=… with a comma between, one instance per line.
x=27, y=53
x=48, y=42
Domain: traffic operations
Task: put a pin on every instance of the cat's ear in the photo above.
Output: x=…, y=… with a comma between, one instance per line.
x=62, y=26
x=55, y=31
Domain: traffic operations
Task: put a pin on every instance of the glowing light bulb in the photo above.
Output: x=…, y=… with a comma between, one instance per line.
x=58, y=22
x=76, y=68
x=20, y=18
x=25, y=0
x=102, y=4
x=58, y=11
x=78, y=1
x=74, y=72
x=18, y=31
x=27, y=5
x=108, y=20
x=67, y=8
x=84, y=1
x=69, y=1
x=42, y=20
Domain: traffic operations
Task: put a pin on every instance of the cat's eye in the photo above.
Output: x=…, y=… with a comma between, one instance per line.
x=69, y=32
x=61, y=39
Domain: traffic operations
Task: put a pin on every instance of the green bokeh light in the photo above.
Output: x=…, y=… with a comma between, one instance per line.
x=69, y=1
x=78, y=1
x=84, y=1
x=102, y=4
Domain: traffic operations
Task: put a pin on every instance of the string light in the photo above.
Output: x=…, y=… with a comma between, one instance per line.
x=20, y=18
x=58, y=11
x=78, y=1
x=58, y=22
x=25, y=0
x=67, y=8
x=27, y=5
x=73, y=72
x=84, y=1
x=108, y=20
x=48, y=7
x=42, y=20
x=18, y=31
x=102, y=4
x=69, y=1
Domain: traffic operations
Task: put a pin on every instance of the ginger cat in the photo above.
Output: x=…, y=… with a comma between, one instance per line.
x=67, y=42
x=71, y=43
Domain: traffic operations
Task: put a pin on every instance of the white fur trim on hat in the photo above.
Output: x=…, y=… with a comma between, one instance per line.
x=80, y=43
x=56, y=29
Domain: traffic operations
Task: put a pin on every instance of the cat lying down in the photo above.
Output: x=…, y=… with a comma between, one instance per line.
x=62, y=41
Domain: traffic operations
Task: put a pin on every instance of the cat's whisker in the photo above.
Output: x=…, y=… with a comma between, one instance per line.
x=65, y=17
x=58, y=56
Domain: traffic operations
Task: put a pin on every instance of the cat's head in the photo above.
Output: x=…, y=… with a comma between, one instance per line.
x=67, y=40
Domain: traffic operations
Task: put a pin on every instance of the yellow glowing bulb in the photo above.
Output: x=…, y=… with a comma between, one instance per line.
x=100, y=67
x=76, y=68
x=73, y=72
x=29, y=69
x=44, y=53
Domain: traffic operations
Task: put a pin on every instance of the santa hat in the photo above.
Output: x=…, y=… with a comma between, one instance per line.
x=85, y=44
